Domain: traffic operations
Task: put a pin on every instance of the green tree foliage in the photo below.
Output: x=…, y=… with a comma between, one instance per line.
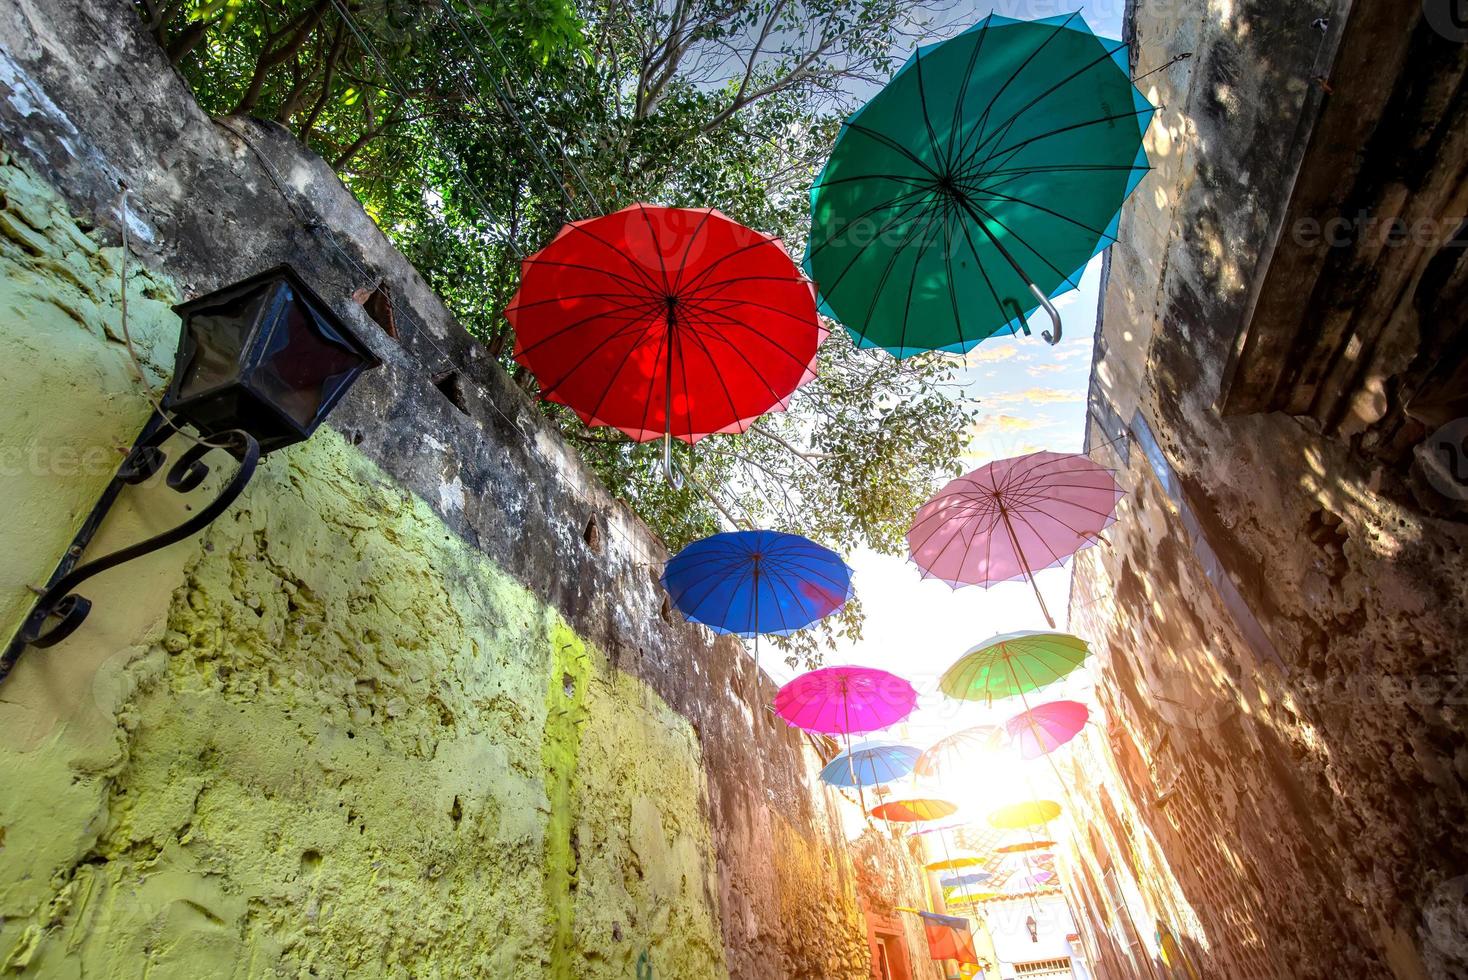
x=473, y=130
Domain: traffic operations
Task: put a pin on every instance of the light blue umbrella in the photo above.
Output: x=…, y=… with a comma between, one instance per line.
x=870, y=764
x=965, y=880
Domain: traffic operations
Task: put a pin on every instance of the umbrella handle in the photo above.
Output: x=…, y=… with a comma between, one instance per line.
x=1051, y=339
x=671, y=473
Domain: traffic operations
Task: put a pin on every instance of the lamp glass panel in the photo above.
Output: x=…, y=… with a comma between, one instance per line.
x=303, y=363
x=218, y=334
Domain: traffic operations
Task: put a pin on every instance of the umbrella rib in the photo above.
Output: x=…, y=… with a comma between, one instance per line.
x=702, y=318
x=657, y=247
x=661, y=356
x=887, y=205
x=902, y=215
x=891, y=144
x=694, y=285
x=517, y=307
x=688, y=247
x=1040, y=207
x=952, y=289
x=896, y=254
x=961, y=99
x=576, y=325
x=1018, y=70
x=917, y=60
x=1066, y=129
x=856, y=178
x=627, y=328
x=650, y=282
x=939, y=217
x=698, y=342
x=1007, y=124
x=993, y=293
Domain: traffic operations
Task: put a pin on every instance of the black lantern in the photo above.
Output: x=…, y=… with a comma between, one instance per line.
x=265, y=355
x=260, y=364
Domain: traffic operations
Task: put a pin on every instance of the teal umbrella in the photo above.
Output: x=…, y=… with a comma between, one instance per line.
x=977, y=185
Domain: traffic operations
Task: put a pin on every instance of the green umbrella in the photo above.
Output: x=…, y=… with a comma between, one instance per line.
x=976, y=185
x=1012, y=663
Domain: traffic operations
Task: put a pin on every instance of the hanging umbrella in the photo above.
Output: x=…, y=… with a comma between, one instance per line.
x=845, y=700
x=670, y=322
x=753, y=582
x=954, y=864
x=1018, y=816
x=965, y=880
x=954, y=753
x=914, y=811
x=1012, y=664
x=869, y=763
x=1024, y=847
x=1046, y=727
x=1038, y=878
x=977, y=184
x=1011, y=518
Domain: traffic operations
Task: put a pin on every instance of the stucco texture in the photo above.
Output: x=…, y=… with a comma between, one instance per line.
x=70, y=391
x=327, y=739
x=352, y=747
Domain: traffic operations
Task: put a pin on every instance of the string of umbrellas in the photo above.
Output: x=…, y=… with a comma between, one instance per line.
x=955, y=205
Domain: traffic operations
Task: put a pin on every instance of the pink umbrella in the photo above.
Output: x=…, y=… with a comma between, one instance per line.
x=1046, y=727
x=1012, y=517
x=845, y=700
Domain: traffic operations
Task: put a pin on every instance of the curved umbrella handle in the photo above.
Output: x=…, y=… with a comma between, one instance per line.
x=671, y=473
x=1051, y=339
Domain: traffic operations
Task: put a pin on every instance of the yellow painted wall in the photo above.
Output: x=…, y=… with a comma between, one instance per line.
x=326, y=739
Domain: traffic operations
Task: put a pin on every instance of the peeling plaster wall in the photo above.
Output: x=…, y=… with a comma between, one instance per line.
x=1280, y=783
x=415, y=706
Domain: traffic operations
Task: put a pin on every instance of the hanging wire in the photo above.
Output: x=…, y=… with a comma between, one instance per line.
x=509, y=106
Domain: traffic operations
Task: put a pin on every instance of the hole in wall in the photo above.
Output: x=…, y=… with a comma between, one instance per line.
x=376, y=302
x=456, y=812
x=568, y=685
x=667, y=610
x=451, y=386
x=310, y=860
x=592, y=536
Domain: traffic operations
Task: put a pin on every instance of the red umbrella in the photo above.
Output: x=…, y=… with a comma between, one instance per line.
x=1010, y=518
x=665, y=322
x=1046, y=727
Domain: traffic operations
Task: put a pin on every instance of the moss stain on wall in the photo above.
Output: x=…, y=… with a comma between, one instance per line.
x=327, y=739
x=357, y=748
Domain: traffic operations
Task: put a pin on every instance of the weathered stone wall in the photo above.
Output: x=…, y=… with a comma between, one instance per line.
x=416, y=705
x=1279, y=789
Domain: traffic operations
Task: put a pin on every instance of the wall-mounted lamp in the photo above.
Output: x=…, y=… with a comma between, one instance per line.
x=260, y=363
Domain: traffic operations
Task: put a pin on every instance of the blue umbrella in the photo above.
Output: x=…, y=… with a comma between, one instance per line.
x=964, y=881
x=870, y=764
x=753, y=582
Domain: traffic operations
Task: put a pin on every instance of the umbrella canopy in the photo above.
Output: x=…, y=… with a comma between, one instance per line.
x=870, y=763
x=1046, y=727
x=1012, y=663
x=1011, y=518
x=914, y=811
x=753, y=582
x=976, y=184
x=954, y=864
x=965, y=880
x=953, y=754
x=846, y=700
x=1018, y=816
x=672, y=322
x=1025, y=847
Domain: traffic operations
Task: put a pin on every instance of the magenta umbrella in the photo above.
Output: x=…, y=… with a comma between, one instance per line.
x=845, y=700
x=1012, y=517
x=1046, y=727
